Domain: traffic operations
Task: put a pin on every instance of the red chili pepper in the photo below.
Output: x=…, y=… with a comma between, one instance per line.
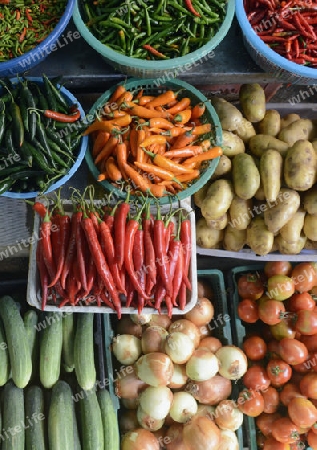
x=81, y=250
x=39, y=208
x=47, y=246
x=190, y=8
x=169, y=306
x=178, y=277
x=159, y=295
x=120, y=218
x=182, y=297
x=169, y=230
x=60, y=117
x=71, y=249
x=149, y=253
x=130, y=292
x=72, y=285
x=138, y=261
x=43, y=274
x=56, y=237
x=64, y=233
x=160, y=254
x=94, y=217
x=153, y=50
x=185, y=237
x=91, y=274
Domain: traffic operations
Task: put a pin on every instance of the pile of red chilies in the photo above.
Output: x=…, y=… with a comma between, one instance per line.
x=112, y=257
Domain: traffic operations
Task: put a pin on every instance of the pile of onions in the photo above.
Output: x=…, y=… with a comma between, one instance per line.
x=233, y=362
x=179, y=378
x=202, y=365
x=202, y=313
x=156, y=401
x=201, y=433
x=129, y=386
x=228, y=440
x=126, y=348
x=210, y=392
x=183, y=408
x=155, y=369
x=186, y=327
x=179, y=347
x=228, y=416
x=139, y=439
x=153, y=339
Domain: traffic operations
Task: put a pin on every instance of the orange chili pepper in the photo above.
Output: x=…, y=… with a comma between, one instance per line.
x=168, y=164
x=101, y=125
x=160, y=122
x=115, y=114
x=163, y=99
x=143, y=112
x=112, y=169
x=183, y=116
x=206, y=144
x=180, y=106
x=118, y=92
x=122, y=121
x=212, y=153
x=198, y=110
x=145, y=99
x=138, y=180
x=107, y=149
x=125, y=97
x=183, y=140
x=140, y=152
x=201, y=129
x=188, y=176
x=134, y=142
x=122, y=157
x=185, y=152
x=154, y=139
x=158, y=171
x=176, y=131
x=101, y=140
x=102, y=176
x=139, y=94
x=158, y=190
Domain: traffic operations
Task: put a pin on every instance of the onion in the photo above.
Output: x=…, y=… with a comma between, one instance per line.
x=126, y=348
x=179, y=347
x=161, y=320
x=206, y=411
x=228, y=440
x=179, y=378
x=156, y=401
x=202, y=313
x=204, y=331
x=233, y=362
x=148, y=422
x=202, y=365
x=153, y=339
x=161, y=436
x=187, y=327
x=127, y=326
x=130, y=403
x=228, y=416
x=174, y=437
x=183, y=408
x=129, y=386
x=139, y=439
x=204, y=290
x=210, y=392
x=155, y=369
x=201, y=433
x=140, y=319
x=213, y=344
x=128, y=421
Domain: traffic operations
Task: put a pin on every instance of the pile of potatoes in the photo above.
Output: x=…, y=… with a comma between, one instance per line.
x=263, y=194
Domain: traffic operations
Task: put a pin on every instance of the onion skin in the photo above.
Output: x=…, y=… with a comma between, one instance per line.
x=179, y=378
x=187, y=327
x=153, y=339
x=141, y=319
x=179, y=347
x=129, y=386
x=210, y=392
x=183, y=407
x=147, y=422
x=130, y=403
x=201, y=433
x=206, y=411
x=202, y=365
x=128, y=421
x=127, y=326
x=228, y=416
x=228, y=440
x=155, y=369
x=174, y=437
x=160, y=320
x=156, y=401
x=202, y=313
x=126, y=348
x=139, y=439
x=212, y=343
x=232, y=368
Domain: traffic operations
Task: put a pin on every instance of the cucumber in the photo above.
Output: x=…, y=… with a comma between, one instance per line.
x=91, y=422
x=51, y=349
x=34, y=419
x=30, y=322
x=109, y=421
x=68, y=342
x=4, y=357
x=84, y=351
x=19, y=352
x=13, y=433
x=77, y=444
x=60, y=418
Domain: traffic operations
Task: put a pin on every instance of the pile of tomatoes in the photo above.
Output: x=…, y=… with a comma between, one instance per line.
x=278, y=309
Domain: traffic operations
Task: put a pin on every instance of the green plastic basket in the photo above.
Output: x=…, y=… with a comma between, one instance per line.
x=153, y=87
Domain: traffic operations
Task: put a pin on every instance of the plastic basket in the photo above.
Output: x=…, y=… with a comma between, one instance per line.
x=270, y=61
x=148, y=69
x=154, y=86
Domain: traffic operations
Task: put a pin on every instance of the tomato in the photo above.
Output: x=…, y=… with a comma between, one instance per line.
x=277, y=268
x=308, y=385
x=260, y=439
x=304, y=277
x=310, y=341
x=284, y=430
x=289, y=391
x=273, y=444
x=279, y=372
x=256, y=378
x=273, y=348
x=293, y=351
x=306, y=322
x=250, y=402
x=250, y=285
x=284, y=329
x=271, y=400
x=271, y=312
x=280, y=287
x=301, y=301
x=303, y=367
x=312, y=439
x=248, y=310
x=255, y=348
x=265, y=421
x=299, y=445
x=302, y=412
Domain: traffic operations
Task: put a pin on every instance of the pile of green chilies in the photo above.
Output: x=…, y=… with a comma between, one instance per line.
x=167, y=26
x=23, y=28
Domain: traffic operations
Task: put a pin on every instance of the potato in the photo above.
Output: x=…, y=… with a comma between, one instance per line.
x=245, y=176
x=240, y=213
x=218, y=224
x=288, y=119
x=310, y=245
x=278, y=213
x=290, y=249
x=292, y=230
x=229, y=116
x=252, y=101
x=245, y=130
x=300, y=166
x=300, y=129
x=260, y=195
x=200, y=195
x=314, y=144
x=270, y=124
x=271, y=170
x=231, y=144
x=259, y=238
x=233, y=239
x=207, y=237
x=310, y=227
x=217, y=200
x=223, y=168
x=261, y=142
x=310, y=200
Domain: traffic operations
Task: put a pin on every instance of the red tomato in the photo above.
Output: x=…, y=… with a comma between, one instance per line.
x=299, y=445
x=312, y=439
x=293, y=351
x=279, y=372
x=310, y=342
x=301, y=301
x=306, y=322
x=248, y=310
x=277, y=268
x=260, y=439
x=308, y=385
x=271, y=400
x=265, y=421
x=289, y=391
x=273, y=348
x=302, y=412
x=273, y=444
x=303, y=367
x=284, y=430
x=304, y=277
x=256, y=378
x=255, y=348
x=250, y=402
x=271, y=312
x=250, y=285
x=284, y=329
x=280, y=287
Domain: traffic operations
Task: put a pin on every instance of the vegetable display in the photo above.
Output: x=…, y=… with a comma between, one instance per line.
x=156, y=143
x=146, y=30
x=263, y=191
